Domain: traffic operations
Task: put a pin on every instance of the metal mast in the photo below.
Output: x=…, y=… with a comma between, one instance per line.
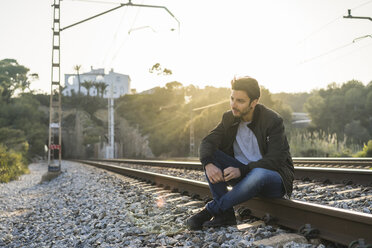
x=110, y=152
x=55, y=112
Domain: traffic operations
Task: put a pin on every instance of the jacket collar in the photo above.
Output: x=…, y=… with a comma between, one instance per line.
x=236, y=121
x=256, y=115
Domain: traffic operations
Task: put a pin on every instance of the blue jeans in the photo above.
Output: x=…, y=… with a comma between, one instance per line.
x=258, y=182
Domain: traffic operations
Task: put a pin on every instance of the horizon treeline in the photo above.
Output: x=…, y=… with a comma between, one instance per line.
x=341, y=119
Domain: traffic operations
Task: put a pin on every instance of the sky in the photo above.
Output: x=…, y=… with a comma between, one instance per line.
x=287, y=45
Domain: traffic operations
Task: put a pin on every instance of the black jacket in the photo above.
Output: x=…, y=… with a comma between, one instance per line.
x=268, y=127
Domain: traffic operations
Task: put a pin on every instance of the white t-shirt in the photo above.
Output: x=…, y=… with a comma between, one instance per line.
x=246, y=148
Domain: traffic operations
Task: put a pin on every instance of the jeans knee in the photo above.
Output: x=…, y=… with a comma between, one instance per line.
x=265, y=175
x=258, y=173
x=257, y=177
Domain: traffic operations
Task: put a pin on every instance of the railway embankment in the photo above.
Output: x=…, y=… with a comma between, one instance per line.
x=90, y=207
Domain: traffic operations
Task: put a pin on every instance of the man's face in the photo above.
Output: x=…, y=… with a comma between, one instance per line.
x=240, y=103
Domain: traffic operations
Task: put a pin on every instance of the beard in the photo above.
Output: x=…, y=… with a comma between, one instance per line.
x=242, y=113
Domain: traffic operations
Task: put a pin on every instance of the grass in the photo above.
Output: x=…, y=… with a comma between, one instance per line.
x=320, y=144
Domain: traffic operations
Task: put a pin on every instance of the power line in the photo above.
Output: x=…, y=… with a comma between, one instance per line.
x=318, y=30
x=361, y=5
x=362, y=37
x=126, y=38
x=326, y=53
x=353, y=51
x=336, y=49
x=343, y=46
x=331, y=22
x=115, y=35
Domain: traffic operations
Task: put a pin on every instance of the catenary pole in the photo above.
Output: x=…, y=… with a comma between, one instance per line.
x=55, y=110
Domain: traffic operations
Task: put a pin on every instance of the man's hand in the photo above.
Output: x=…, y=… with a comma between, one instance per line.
x=214, y=174
x=231, y=173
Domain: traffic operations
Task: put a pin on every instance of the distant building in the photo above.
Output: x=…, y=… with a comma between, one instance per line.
x=120, y=83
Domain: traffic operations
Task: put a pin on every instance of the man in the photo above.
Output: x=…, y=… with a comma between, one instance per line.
x=247, y=150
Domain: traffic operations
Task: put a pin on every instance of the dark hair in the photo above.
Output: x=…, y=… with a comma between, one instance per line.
x=247, y=84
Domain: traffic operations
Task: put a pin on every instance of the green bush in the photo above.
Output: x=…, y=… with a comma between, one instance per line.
x=12, y=165
x=367, y=150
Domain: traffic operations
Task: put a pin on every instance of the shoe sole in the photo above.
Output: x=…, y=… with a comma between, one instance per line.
x=221, y=225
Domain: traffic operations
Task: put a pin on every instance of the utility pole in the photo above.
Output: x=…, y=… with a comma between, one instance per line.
x=110, y=151
x=55, y=111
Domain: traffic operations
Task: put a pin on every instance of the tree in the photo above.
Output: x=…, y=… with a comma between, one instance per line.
x=13, y=76
x=87, y=85
x=173, y=85
x=342, y=109
x=165, y=117
x=159, y=70
x=97, y=86
x=357, y=132
x=102, y=86
x=77, y=69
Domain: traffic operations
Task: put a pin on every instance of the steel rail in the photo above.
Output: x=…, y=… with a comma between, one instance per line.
x=331, y=162
x=337, y=225
x=335, y=175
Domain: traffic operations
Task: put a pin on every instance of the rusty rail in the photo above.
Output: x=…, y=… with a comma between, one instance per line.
x=337, y=225
x=335, y=175
x=361, y=163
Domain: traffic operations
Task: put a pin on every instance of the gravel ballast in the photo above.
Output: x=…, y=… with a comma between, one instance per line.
x=89, y=207
x=351, y=197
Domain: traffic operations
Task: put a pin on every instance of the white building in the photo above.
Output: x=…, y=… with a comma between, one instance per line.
x=119, y=83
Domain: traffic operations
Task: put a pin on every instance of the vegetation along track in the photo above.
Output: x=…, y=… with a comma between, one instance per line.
x=333, y=224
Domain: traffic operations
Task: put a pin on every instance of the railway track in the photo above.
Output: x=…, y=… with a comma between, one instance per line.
x=358, y=171
x=333, y=224
x=351, y=163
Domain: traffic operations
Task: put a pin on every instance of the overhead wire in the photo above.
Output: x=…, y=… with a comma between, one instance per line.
x=117, y=30
x=361, y=5
x=340, y=16
x=127, y=36
x=337, y=48
x=326, y=53
x=115, y=35
x=318, y=30
x=353, y=51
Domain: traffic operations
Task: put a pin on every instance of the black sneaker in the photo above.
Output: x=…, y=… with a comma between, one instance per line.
x=196, y=222
x=225, y=219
